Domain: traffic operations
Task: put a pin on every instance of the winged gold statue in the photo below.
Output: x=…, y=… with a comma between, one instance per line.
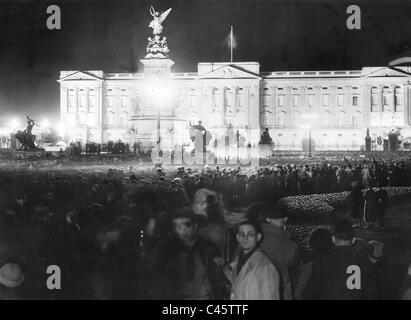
x=158, y=19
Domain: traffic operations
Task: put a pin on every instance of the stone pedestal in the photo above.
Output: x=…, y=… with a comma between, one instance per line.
x=158, y=102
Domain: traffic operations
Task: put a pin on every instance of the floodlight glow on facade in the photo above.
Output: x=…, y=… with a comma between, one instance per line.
x=45, y=124
x=14, y=123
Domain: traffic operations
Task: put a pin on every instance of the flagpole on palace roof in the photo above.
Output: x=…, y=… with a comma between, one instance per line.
x=231, y=43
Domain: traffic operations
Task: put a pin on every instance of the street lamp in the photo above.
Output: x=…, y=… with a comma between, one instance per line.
x=61, y=129
x=159, y=93
x=45, y=124
x=310, y=118
x=14, y=123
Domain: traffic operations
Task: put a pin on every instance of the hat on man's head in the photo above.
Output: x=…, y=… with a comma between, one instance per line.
x=183, y=212
x=187, y=212
x=276, y=211
x=256, y=211
x=343, y=229
x=11, y=275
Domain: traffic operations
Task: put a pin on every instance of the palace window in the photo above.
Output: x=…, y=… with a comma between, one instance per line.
x=124, y=101
x=398, y=103
x=280, y=100
x=124, y=118
x=340, y=99
x=241, y=100
x=325, y=99
x=82, y=109
x=340, y=118
x=193, y=101
x=110, y=102
x=295, y=119
x=356, y=117
x=398, y=100
x=82, y=117
x=326, y=118
x=310, y=100
x=374, y=103
x=355, y=101
x=281, y=118
x=71, y=104
x=110, y=118
x=83, y=102
x=91, y=104
x=386, y=100
x=296, y=100
x=266, y=100
x=229, y=98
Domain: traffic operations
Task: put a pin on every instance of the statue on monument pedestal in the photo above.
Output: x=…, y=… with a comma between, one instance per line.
x=265, y=114
x=158, y=19
x=26, y=138
x=200, y=136
x=157, y=47
x=135, y=107
x=265, y=138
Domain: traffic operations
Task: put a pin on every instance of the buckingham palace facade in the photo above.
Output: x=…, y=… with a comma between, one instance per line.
x=336, y=108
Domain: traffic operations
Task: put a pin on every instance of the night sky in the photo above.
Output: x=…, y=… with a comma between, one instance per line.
x=112, y=36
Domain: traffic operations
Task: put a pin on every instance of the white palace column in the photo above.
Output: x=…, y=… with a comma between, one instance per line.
x=333, y=103
x=247, y=101
x=303, y=98
x=253, y=113
x=347, y=105
x=407, y=103
x=317, y=98
x=201, y=98
x=367, y=104
x=209, y=103
x=117, y=109
x=273, y=106
x=86, y=92
x=392, y=99
x=288, y=105
x=100, y=109
x=63, y=104
x=222, y=103
x=76, y=98
x=380, y=101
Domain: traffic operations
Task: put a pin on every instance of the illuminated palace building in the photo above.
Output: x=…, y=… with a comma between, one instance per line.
x=336, y=108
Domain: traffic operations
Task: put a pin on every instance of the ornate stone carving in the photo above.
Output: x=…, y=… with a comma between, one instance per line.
x=135, y=106
x=157, y=46
x=265, y=115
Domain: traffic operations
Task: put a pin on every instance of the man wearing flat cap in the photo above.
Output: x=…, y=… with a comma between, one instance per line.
x=277, y=245
x=182, y=265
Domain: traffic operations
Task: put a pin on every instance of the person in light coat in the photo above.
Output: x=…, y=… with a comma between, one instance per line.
x=252, y=275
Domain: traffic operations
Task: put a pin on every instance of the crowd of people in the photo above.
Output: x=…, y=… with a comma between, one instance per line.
x=161, y=235
x=118, y=147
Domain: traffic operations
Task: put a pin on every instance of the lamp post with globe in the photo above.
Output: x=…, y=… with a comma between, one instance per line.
x=309, y=122
x=158, y=94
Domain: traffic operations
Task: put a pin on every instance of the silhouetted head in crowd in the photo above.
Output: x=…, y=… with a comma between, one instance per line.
x=208, y=202
x=213, y=209
x=321, y=241
x=256, y=212
x=343, y=233
x=274, y=214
